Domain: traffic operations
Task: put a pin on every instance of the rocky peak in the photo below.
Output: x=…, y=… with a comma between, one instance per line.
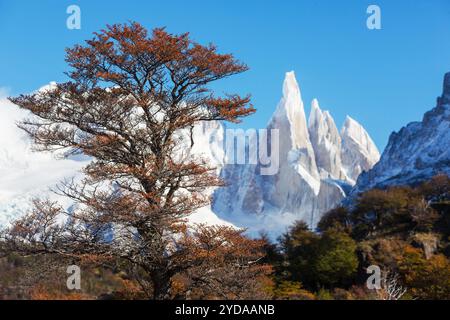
x=291, y=111
x=295, y=146
x=445, y=99
x=353, y=130
x=359, y=152
x=447, y=84
x=326, y=142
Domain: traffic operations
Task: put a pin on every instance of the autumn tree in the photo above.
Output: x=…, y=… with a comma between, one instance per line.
x=437, y=189
x=336, y=261
x=299, y=246
x=387, y=210
x=131, y=103
x=319, y=260
x=336, y=218
x=428, y=279
x=214, y=277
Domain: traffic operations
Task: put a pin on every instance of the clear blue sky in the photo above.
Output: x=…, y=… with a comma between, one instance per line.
x=383, y=78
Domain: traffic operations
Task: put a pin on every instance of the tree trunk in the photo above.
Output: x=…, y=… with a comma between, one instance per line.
x=161, y=286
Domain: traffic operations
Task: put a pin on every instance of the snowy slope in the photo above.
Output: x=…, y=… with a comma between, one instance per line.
x=25, y=174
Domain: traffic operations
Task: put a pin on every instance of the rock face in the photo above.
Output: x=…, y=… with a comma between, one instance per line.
x=297, y=163
x=290, y=120
x=415, y=153
x=316, y=167
x=359, y=152
x=428, y=242
x=326, y=141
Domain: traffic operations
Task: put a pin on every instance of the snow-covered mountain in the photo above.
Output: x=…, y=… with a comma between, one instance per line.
x=25, y=174
x=317, y=165
x=359, y=152
x=417, y=152
x=327, y=143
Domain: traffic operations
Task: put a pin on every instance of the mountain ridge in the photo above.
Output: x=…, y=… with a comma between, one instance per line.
x=311, y=178
x=416, y=152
